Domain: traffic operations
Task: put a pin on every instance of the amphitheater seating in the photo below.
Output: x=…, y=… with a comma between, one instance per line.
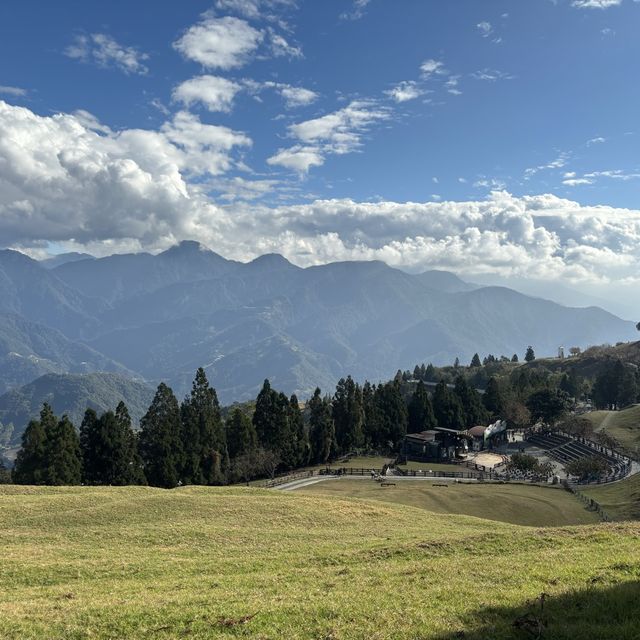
x=564, y=450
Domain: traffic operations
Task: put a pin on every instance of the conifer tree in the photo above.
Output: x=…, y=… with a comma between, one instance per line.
x=471, y=401
x=420, y=411
x=91, y=448
x=348, y=415
x=29, y=467
x=63, y=463
x=241, y=434
x=321, y=428
x=299, y=432
x=132, y=467
x=475, y=361
x=447, y=408
x=206, y=459
x=493, y=399
x=264, y=415
x=160, y=440
x=530, y=355
x=392, y=412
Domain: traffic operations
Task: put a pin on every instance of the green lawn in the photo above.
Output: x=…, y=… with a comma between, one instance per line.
x=100, y=563
x=621, y=500
x=623, y=425
x=434, y=466
x=514, y=503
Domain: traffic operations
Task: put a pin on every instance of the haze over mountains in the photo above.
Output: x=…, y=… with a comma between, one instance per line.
x=159, y=317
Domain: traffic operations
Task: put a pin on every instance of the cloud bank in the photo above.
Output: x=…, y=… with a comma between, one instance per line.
x=100, y=190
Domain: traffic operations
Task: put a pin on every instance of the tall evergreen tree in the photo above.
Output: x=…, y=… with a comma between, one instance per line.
x=530, y=355
x=471, y=401
x=299, y=432
x=241, y=434
x=132, y=467
x=420, y=411
x=63, y=463
x=206, y=459
x=91, y=448
x=392, y=414
x=493, y=399
x=29, y=467
x=160, y=440
x=475, y=361
x=264, y=415
x=447, y=408
x=321, y=428
x=348, y=415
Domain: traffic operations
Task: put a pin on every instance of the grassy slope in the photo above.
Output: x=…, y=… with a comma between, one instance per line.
x=518, y=504
x=621, y=500
x=146, y=563
x=623, y=425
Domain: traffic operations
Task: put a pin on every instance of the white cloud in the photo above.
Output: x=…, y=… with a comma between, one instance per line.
x=214, y=92
x=357, y=11
x=102, y=50
x=253, y=9
x=595, y=4
x=405, y=91
x=298, y=158
x=219, y=43
x=296, y=96
x=90, y=184
x=485, y=28
x=558, y=163
x=338, y=133
x=491, y=75
x=432, y=67
x=17, y=92
x=91, y=188
x=279, y=46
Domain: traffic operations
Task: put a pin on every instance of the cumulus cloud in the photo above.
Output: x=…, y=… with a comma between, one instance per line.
x=432, y=67
x=219, y=43
x=102, y=50
x=338, y=133
x=214, y=92
x=91, y=188
x=405, y=91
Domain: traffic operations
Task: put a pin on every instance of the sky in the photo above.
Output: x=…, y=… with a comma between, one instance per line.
x=497, y=139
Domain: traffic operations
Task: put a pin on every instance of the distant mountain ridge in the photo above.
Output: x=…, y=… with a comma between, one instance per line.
x=161, y=316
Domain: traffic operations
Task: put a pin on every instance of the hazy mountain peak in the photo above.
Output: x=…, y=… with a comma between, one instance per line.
x=272, y=261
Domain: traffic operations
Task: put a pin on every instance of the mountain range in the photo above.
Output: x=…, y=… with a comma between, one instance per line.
x=159, y=317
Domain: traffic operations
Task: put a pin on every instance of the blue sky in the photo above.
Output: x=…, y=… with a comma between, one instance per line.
x=313, y=128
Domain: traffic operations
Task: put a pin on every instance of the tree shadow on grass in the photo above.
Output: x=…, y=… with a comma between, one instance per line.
x=595, y=613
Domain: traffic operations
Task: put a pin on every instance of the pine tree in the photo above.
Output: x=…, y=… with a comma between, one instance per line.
x=264, y=415
x=299, y=432
x=530, y=355
x=447, y=408
x=63, y=463
x=321, y=428
x=392, y=412
x=348, y=415
x=471, y=401
x=420, y=411
x=132, y=467
x=492, y=399
x=29, y=467
x=206, y=459
x=90, y=448
x=241, y=434
x=429, y=373
x=514, y=357
x=475, y=361
x=160, y=440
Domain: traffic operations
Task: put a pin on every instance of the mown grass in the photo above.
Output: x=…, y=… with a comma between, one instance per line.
x=196, y=562
x=434, y=466
x=623, y=425
x=621, y=500
x=517, y=504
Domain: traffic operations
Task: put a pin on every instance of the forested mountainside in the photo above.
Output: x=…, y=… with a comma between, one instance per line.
x=161, y=316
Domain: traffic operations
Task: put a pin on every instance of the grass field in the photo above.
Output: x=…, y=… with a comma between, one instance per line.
x=517, y=504
x=243, y=563
x=621, y=500
x=433, y=466
x=623, y=425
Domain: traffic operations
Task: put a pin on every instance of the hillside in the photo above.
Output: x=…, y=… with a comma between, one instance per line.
x=70, y=394
x=623, y=425
x=28, y=350
x=228, y=563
